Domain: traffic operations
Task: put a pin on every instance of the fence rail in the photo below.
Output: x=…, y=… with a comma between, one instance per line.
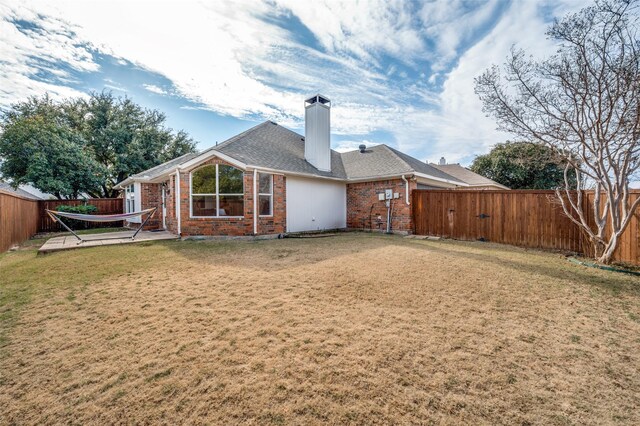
x=104, y=205
x=21, y=218
x=522, y=218
x=18, y=219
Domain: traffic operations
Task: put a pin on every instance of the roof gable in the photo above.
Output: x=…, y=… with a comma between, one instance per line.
x=271, y=146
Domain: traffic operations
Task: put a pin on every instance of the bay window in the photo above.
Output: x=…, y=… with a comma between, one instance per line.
x=265, y=194
x=217, y=191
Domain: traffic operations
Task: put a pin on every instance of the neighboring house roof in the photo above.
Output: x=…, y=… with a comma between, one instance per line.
x=466, y=175
x=18, y=191
x=273, y=147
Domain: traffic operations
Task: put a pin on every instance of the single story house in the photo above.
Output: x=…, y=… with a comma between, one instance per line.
x=270, y=180
x=25, y=191
x=474, y=180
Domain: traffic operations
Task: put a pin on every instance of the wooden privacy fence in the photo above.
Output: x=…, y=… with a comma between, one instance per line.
x=104, y=205
x=518, y=217
x=18, y=219
x=21, y=218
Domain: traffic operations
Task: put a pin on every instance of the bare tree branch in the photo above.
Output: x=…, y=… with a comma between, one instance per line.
x=584, y=103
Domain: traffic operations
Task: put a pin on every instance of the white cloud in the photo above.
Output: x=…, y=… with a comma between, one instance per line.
x=231, y=58
x=155, y=89
x=346, y=146
x=25, y=53
x=458, y=129
x=363, y=29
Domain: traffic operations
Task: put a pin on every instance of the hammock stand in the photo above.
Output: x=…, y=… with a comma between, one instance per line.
x=56, y=216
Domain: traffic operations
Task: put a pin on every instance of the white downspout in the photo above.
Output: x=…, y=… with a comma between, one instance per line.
x=406, y=187
x=255, y=201
x=178, y=202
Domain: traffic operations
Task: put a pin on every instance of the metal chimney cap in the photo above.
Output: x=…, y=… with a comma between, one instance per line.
x=362, y=148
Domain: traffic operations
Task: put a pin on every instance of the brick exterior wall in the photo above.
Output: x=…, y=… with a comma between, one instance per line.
x=365, y=211
x=151, y=194
x=218, y=226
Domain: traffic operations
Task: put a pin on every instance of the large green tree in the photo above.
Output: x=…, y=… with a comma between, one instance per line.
x=84, y=145
x=522, y=165
x=37, y=147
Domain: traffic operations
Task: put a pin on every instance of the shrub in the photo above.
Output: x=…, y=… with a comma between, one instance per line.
x=81, y=209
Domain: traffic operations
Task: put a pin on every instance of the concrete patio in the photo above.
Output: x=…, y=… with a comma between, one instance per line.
x=69, y=242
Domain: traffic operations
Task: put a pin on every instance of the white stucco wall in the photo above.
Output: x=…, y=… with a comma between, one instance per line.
x=315, y=204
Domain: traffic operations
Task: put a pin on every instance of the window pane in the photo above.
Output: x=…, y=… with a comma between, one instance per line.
x=265, y=183
x=264, y=203
x=204, y=180
x=231, y=205
x=203, y=205
x=230, y=180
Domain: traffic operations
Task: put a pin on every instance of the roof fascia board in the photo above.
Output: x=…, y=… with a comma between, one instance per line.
x=207, y=155
x=287, y=173
x=128, y=181
x=378, y=178
x=425, y=176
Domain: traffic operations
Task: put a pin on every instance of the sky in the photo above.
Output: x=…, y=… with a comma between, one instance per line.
x=397, y=72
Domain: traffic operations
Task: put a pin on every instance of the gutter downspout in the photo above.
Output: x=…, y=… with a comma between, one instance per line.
x=255, y=201
x=178, y=202
x=406, y=188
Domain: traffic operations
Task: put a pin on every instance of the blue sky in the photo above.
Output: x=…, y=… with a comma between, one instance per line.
x=397, y=72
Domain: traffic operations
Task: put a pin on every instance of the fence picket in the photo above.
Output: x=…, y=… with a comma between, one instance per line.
x=518, y=217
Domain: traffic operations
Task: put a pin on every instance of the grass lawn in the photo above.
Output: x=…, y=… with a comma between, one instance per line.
x=356, y=328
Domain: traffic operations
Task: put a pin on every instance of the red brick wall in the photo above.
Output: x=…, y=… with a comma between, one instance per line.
x=276, y=224
x=364, y=208
x=151, y=196
x=170, y=200
x=228, y=226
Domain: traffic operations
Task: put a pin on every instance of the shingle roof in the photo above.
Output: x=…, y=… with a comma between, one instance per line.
x=269, y=145
x=272, y=146
x=378, y=160
x=382, y=160
x=18, y=191
x=161, y=169
x=466, y=175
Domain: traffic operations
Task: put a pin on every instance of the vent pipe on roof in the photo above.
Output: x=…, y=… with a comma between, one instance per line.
x=443, y=162
x=317, y=132
x=362, y=148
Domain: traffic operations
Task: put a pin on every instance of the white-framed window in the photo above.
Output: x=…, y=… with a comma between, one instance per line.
x=129, y=195
x=217, y=191
x=265, y=194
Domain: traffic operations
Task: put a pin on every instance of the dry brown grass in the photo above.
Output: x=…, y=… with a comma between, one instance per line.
x=354, y=329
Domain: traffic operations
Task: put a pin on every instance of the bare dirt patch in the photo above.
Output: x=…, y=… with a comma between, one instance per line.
x=354, y=329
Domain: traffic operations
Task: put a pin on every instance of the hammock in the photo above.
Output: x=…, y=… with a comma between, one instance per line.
x=56, y=216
